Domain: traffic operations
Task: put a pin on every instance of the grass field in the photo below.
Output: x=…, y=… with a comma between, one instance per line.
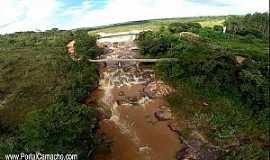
x=33, y=78
x=156, y=24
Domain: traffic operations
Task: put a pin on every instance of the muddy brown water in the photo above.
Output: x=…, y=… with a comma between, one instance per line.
x=136, y=132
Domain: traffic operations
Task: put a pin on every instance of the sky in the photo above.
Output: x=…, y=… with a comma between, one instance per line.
x=35, y=15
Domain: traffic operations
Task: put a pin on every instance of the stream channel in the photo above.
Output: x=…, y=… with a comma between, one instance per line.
x=138, y=117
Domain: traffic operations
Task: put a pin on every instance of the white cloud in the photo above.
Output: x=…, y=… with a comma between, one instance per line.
x=9, y=12
x=20, y=15
x=27, y=14
x=124, y=10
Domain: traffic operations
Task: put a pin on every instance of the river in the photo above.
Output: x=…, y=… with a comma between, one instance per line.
x=138, y=118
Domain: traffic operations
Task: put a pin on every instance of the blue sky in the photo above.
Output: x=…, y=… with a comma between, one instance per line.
x=23, y=15
x=96, y=4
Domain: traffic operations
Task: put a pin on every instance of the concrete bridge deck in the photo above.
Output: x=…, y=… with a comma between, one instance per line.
x=118, y=34
x=131, y=60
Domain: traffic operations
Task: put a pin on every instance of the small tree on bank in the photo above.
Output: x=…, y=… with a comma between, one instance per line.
x=85, y=45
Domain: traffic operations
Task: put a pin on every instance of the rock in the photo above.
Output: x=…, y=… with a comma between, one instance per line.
x=198, y=139
x=124, y=102
x=174, y=127
x=183, y=154
x=101, y=114
x=163, y=108
x=151, y=119
x=143, y=100
x=244, y=140
x=201, y=149
x=163, y=115
x=240, y=59
x=115, y=44
x=205, y=104
x=157, y=89
x=121, y=93
x=210, y=154
x=132, y=99
x=145, y=149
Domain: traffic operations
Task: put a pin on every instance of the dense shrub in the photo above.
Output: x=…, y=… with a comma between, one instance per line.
x=184, y=27
x=85, y=45
x=256, y=24
x=207, y=33
x=60, y=128
x=218, y=28
x=219, y=68
x=208, y=66
x=50, y=38
x=44, y=90
x=158, y=44
x=254, y=84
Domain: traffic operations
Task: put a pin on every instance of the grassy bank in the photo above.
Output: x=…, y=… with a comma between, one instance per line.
x=221, y=83
x=41, y=96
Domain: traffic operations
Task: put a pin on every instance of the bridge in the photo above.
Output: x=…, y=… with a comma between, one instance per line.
x=131, y=60
x=102, y=35
x=120, y=34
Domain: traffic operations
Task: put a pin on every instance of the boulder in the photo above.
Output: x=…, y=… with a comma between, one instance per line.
x=174, y=127
x=183, y=153
x=121, y=93
x=157, y=89
x=205, y=104
x=145, y=150
x=132, y=99
x=240, y=59
x=163, y=115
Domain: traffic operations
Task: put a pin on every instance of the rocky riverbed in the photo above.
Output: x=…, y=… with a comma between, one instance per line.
x=137, y=117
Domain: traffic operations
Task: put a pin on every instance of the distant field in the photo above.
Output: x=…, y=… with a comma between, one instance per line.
x=156, y=24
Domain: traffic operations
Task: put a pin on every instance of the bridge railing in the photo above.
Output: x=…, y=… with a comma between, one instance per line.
x=131, y=60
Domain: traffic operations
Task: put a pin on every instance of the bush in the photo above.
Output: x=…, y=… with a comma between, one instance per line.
x=218, y=69
x=44, y=94
x=85, y=45
x=156, y=44
x=256, y=24
x=218, y=28
x=211, y=35
x=53, y=38
x=210, y=67
x=254, y=86
x=184, y=27
x=61, y=128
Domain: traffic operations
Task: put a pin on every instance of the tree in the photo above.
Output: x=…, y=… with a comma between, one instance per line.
x=184, y=27
x=233, y=25
x=85, y=45
x=256, y=24
x=218, y=28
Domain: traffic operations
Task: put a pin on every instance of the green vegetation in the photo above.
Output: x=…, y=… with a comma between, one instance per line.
x=60, y=128
x=157, y=23
x=85, y=45
x=229, y=72
x=256, y=25
x=42, y=90
x=50, y=38
x=184, y=27
x=42, y=93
